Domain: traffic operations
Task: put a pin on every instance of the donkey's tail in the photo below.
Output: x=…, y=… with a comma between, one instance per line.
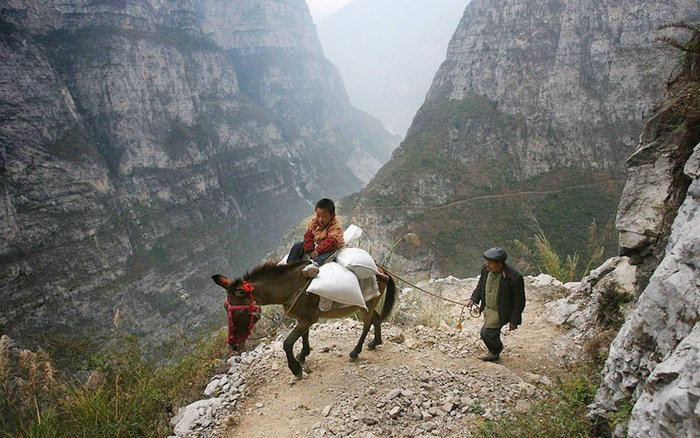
x=389, y=298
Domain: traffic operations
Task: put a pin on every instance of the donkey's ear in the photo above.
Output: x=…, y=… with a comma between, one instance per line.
x=222, y=281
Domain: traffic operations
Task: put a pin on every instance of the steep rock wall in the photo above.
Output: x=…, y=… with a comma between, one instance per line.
x=647, y=302
x=136, y=161
x=654, y=361
x=532, y=113
x=651, y=384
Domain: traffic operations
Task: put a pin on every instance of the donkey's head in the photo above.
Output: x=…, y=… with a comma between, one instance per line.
x=241, y=309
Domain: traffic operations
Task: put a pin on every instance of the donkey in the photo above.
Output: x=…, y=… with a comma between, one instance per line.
x=270, y=283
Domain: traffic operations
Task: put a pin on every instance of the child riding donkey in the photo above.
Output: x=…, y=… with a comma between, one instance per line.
x=282, y=284
x=323, y=237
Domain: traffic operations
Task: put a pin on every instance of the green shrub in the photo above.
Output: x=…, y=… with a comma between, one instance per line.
x=622, y=415
x=610, y=314
x=598, y=347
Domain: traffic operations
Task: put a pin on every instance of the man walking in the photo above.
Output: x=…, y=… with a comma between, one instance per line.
x=500, y=294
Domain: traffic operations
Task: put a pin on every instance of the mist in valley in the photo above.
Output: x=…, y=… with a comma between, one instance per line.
x=388, y=51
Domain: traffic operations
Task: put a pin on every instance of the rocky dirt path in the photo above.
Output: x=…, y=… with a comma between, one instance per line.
x=422, y=381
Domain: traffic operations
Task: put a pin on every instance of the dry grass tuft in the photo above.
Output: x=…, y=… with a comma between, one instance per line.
x=124, y=395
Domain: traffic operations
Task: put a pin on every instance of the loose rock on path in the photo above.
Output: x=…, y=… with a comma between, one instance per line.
x=422, y=382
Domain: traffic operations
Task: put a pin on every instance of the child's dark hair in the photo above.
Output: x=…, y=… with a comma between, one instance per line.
x=326, y=204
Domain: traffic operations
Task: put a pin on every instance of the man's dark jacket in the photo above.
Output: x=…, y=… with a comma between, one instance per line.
x=511, y=295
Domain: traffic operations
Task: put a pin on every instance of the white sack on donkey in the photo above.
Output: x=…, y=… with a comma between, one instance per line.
x=339, y=284
x=358, y=261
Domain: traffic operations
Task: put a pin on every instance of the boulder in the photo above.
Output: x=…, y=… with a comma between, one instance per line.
x=591, y=308
x=198, y=413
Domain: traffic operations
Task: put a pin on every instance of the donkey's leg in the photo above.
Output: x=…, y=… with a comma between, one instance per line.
x=367, y=320
x=305, y=348
x=288, y=346
x=377, y=332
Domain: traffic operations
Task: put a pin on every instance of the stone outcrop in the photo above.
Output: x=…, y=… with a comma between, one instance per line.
x=594, y=310
x=655, y=188
x=534, y=111
x=651, y=384
x=227, y=390
x=147, y=145
x=654, y=360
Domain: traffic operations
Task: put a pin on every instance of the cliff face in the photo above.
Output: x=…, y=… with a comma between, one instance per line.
x=649, y=301
x=581, y=77
x=149, y=144
x=652, y=375
x=654, y=362
x=532, y=113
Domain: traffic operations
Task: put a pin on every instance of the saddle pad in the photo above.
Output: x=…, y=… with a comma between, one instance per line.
x=337, y=283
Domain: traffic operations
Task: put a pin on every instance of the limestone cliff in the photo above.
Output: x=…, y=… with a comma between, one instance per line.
x=651, y=380
x=146, y=145
x=654, y=362
x=533, y=113
x=649, y=302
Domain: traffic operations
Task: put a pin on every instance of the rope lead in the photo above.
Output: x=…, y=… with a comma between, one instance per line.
x=473, y=310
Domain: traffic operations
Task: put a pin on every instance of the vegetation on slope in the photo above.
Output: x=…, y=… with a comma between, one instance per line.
x=461, y=197
x=125, y=394
x=562, y=413
x=562, y=209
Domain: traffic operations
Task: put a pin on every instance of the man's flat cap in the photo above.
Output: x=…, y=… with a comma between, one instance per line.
x=495, y=253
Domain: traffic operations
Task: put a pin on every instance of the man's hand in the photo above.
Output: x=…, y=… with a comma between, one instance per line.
x=313, y=255
x=470, y=303
x=512, y=326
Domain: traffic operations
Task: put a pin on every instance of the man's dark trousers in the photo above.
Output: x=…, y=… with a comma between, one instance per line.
x=492, y=339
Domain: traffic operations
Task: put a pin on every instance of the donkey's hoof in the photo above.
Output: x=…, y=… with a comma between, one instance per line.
x=298, y=378
x=353, y=356
x=301, y=358
x=297, y=371
x=373, y=345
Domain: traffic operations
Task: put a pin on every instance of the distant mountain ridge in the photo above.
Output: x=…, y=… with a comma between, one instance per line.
x=531, y=115
x=147, y=145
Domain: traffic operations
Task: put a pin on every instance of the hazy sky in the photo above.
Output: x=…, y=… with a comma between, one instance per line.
x=324, y=8
x=388, y=51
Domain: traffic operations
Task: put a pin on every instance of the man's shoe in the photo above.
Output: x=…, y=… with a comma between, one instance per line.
x=491, y=357
x=310, y=270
